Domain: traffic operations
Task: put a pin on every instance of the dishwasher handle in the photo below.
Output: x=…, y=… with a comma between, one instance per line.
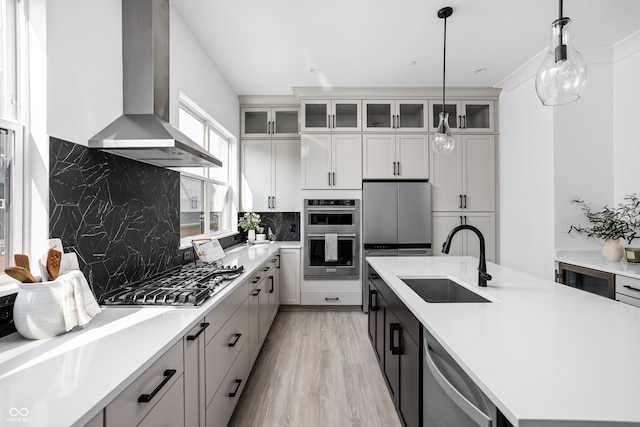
x=478, y=417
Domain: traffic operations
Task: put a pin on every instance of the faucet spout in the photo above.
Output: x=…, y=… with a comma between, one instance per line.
x=483, y=276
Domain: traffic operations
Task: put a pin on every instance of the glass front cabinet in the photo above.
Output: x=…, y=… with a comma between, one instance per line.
x=269, y=122
x=394, y=115
x=331, y=116
x=464, y=116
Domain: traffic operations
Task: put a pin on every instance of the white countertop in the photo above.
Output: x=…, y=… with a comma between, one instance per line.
x=596, y=261
x=66, y=380
x=544, y=353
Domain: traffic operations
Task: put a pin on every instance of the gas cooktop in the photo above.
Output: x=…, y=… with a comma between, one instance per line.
x=187, y=285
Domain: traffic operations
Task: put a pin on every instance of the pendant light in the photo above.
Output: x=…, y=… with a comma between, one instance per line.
x=562, y=75
x=442, y=141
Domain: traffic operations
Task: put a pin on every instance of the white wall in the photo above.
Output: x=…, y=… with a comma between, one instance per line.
x=626, y=89
x=84, y=62
x=526, y=178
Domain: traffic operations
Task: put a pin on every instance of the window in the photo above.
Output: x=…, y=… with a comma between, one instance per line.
x=206, y=203
x=6, y=159
x=8, y=59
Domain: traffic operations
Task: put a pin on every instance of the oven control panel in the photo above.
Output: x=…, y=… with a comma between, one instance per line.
x=330, y=202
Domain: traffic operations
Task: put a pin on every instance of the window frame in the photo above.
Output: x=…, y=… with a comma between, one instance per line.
x=209, y=124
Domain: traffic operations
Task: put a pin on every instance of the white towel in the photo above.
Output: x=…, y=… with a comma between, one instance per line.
x=331, y=247
x=78, y=304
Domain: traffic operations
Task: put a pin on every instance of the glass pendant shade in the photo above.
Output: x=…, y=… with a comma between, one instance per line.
x=562, y=75
x=442, y=141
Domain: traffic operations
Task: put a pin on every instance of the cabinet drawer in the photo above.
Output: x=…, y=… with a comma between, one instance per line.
x=170, y=409
x=331, y=298
x=628, y=286
x=126, y=410
x=219, y=316
x=628, y=300
x=223, y=349
x=221, y=407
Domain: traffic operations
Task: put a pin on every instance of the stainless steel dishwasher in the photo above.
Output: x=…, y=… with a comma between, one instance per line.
x=450, y=397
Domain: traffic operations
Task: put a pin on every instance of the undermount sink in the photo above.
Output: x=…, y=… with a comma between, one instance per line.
x=442, y=291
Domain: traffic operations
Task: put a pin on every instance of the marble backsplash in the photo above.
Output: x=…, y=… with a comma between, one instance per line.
x=284, y=225
x=120, y=216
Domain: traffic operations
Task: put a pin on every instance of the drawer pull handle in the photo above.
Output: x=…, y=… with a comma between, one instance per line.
x=256, y=280
x=632, y=288
x=234, y=392
x=271, y=278
x=393, y=347
x=203, y=326
x=256, y=292
x=235, y=341
x=146, y=398
x=332, y=299
x=372, y=306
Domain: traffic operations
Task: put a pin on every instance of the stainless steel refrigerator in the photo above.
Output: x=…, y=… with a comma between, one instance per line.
x=396, y=221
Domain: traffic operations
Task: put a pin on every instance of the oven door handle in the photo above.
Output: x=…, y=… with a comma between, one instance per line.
x=339, y=235
x=328, y=209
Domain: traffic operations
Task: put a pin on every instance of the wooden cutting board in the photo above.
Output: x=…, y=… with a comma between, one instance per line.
x=53, y=263
x=21, y=274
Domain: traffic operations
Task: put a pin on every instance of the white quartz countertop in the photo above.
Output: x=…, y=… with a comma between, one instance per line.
x=596, y=261
x=66, y=380
x=544, y=353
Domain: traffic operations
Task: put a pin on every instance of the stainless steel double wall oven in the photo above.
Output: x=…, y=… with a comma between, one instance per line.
x=323, y=217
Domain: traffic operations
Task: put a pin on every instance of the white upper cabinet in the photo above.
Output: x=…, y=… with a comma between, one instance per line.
x=395, y=115
x=331, y=161
x=331, y=115
x=464, y=116
x=270, y=175
x=386, y=156
x=465, y=179
x=269, y=122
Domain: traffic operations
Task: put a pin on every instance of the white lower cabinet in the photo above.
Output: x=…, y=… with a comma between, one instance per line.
x=194, y=381
x=628, y=290
x=157, y=394
x=290, y=276
x=97, y=421
x=465, y=242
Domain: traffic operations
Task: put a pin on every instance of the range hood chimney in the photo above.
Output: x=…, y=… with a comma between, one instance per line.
x=143, y=132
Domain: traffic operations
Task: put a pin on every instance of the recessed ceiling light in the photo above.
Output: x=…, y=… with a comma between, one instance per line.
x=480, y=71
x=413, y=63
x=314, y=70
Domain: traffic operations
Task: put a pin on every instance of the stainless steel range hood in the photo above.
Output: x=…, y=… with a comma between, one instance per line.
x=143, y=132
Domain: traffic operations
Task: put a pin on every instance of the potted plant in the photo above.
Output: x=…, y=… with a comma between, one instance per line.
x=611, y=224
x=249, y=223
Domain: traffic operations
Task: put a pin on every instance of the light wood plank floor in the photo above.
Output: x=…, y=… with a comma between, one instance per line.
x=316, y=369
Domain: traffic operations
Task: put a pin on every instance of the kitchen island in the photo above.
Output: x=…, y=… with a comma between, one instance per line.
x=68, y=379
x=545, y=354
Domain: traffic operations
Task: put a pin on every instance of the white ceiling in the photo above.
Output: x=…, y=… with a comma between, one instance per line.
x=268, y=47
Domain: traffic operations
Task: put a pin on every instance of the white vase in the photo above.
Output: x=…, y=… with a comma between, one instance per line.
x=37, y=310
x=251, y=235
x=612, y=250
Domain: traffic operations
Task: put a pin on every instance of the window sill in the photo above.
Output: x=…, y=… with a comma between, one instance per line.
x=186, y=242
x=7, y=285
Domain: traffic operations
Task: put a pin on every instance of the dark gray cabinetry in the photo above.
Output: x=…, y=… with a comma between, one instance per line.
x=395, y=335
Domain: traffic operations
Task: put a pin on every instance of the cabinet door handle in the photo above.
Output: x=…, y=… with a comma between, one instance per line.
x=460, y=205
x=460, y=122
x=394, y=121
x=465, y=219
x=236, y=338
x=393, y=328
x=332, y=299
x=329, y=179
x=203, y=326
x=632, y=288
x=256, y=292
x=334, y=179
x=334, y=121
x=272, y=284
x=394, y=168
x=234, y=392
x=465, y=201
x=146, y=398
x=461, y=220
x=329, y=121
x=273, y=202
x=398, y=168
x=398, y=121
x=464, y=121
x=372, y=307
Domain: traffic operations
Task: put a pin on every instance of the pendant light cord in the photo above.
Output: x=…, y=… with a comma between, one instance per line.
x=444, y=61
